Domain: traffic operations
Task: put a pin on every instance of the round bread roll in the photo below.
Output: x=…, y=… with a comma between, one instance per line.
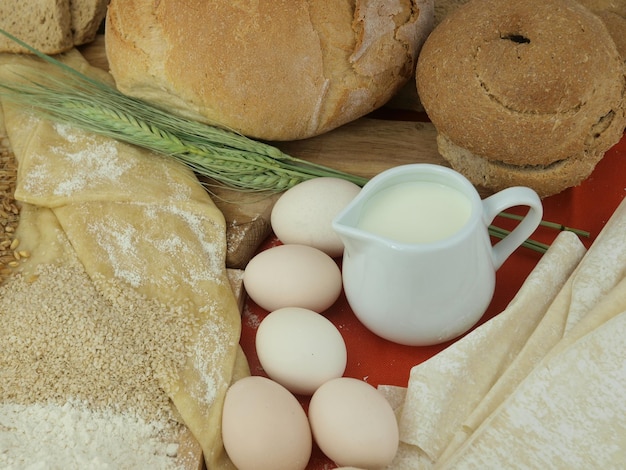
x=270, y=69
x=523, y=93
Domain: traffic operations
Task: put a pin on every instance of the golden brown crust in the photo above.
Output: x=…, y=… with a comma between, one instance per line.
x=496, y=176
x=525, y=83
x=280, y=70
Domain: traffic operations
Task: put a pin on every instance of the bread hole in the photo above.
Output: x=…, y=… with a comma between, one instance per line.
x=517, y=38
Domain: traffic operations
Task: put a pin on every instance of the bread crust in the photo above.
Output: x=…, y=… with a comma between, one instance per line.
x=545, y=180
x=270, y=69
x=524, y=83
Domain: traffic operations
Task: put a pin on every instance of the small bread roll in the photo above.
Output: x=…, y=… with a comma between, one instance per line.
x=523, y=93
x=270, y=69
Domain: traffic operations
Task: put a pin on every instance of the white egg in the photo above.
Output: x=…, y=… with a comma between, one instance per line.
x=300, y=349
x=353, y=424
x=293, y=276
x=264, y=427
x=303, y=214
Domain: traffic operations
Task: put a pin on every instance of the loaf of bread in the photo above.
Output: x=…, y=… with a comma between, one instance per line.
x=50, y=26
x=272, y=69
x=528, y=93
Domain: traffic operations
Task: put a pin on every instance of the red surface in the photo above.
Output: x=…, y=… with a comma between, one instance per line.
x=377, y=361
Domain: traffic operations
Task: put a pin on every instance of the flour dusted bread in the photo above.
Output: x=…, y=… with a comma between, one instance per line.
x=275, y=70
x=525, y=93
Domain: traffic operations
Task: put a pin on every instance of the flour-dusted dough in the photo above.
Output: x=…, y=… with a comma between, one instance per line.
x=144, y=221
x=568, y=413
x=444, y=390
x=594, y=283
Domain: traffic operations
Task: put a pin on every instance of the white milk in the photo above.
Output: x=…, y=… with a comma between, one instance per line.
x=416, y=212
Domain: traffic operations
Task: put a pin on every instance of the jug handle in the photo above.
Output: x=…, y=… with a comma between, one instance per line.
x=506, y=199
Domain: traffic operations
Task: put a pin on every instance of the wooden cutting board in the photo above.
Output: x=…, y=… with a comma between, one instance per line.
x=364, y=147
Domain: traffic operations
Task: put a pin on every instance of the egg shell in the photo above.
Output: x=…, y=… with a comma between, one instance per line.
x=292, y=276
x=353, y=424
x=304, y=213
x=300, y=349
x=264, y=427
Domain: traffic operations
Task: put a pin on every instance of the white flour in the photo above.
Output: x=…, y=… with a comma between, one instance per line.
x=50, y=437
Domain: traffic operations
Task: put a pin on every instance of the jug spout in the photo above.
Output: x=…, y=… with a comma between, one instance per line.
x=353, y=238
x=346, y=225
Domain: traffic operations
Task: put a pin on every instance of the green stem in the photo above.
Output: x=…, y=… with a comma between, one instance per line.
x=545, y=223
x=529, y=243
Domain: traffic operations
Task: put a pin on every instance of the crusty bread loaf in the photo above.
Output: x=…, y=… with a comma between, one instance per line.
x=50, y=26
x=526, y=86
x=272, y=69
x=44, y=24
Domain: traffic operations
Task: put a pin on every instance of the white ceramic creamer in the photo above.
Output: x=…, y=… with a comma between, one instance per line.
x=418, y=265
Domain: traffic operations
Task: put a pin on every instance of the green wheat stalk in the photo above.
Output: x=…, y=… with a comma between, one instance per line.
x=213, y=152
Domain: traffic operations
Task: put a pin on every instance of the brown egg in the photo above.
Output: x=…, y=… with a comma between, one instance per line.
x=353, y=424
x=264, y=427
